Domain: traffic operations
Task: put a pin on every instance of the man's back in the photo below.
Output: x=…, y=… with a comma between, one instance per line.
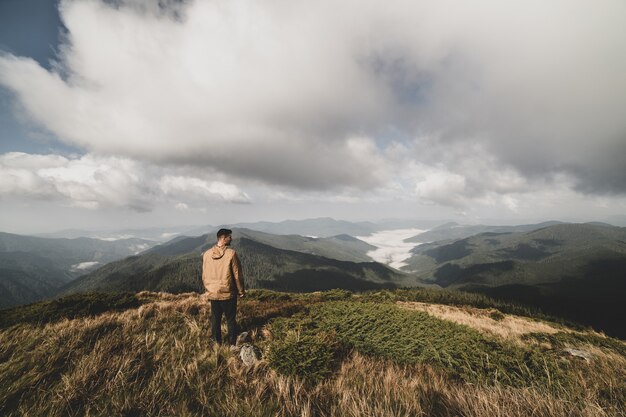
x=221, y=273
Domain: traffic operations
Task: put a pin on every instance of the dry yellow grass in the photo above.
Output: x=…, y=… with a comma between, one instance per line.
x=509, y=327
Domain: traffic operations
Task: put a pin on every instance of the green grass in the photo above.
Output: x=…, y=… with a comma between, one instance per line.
x=413, y=337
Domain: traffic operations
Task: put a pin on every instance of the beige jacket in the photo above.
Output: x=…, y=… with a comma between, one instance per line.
x=221, y=274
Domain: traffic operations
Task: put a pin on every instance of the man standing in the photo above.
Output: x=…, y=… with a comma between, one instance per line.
x=223, y=281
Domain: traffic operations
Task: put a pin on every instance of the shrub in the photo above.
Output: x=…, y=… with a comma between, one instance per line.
x=268, y=295
x=496, y=315
x=335, y=295
x=311, y=357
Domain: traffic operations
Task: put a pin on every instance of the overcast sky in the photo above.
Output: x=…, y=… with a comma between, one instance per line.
x=141, y=113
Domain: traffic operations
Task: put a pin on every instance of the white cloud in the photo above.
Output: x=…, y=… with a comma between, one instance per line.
x=442, y=187
x=83, y=266
x=93, y=182
x=277, y=91
x=224, y=87
x=202, y=190
x=483, y=107
x=181, y=207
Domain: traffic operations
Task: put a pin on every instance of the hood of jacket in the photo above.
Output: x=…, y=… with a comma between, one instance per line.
x=217, y=252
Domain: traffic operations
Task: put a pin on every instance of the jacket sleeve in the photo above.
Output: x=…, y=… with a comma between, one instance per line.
x=237, y=274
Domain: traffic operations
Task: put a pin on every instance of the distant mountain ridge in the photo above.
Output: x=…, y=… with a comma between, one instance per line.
x=318, y=227
x=157, y=234
x=315, y=227
x=32, y=268
x=454, y=230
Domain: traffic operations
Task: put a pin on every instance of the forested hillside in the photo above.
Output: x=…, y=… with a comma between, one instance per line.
x=578, y=270
x=33, y=268
x=177, y=268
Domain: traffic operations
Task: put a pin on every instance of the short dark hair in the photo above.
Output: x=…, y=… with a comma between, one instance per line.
x=224, y=232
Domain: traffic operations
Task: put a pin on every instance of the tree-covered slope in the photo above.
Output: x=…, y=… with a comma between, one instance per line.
x=33, y=268
x=340, y=247
x=545, y=255
x=573, y=269
x=177, y=268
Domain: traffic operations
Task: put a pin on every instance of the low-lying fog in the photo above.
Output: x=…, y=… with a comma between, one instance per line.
x=392, y=249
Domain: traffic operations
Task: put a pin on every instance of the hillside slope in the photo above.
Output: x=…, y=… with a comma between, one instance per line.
x=453, y=231
x=574, y=268
x=33, y=268
x=340, y=247
x=331, y=354
x=318, y=227
x=541, y=256
x=176, y=267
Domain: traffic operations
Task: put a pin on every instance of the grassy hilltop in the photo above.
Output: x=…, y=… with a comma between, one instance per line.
x=386, y=353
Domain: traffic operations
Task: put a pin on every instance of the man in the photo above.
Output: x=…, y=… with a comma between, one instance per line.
x=223, y=281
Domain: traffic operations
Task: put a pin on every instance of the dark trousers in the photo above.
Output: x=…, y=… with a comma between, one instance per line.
x=229, y=309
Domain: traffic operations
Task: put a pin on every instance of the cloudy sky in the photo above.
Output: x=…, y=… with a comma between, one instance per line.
x=118, y=113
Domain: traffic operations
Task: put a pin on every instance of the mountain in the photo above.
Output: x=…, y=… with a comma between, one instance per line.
x=340, y=247
x=384, y=353
x=578, y=270
x=454, y=230
x=176, y=267
x=319, y=227
x=394, y=224
x=157, y=234
x=27, y=277
x=32, y=268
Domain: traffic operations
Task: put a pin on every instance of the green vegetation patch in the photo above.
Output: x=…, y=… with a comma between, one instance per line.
x=269, y=295
x=313, y=357
x=410, y=337
x=72, y=306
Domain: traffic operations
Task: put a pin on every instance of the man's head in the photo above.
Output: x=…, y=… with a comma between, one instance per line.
x=224, y=236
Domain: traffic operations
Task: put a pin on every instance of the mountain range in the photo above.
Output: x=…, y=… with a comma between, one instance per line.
x=176, y=266
x=318, y=227
x=572, y=270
